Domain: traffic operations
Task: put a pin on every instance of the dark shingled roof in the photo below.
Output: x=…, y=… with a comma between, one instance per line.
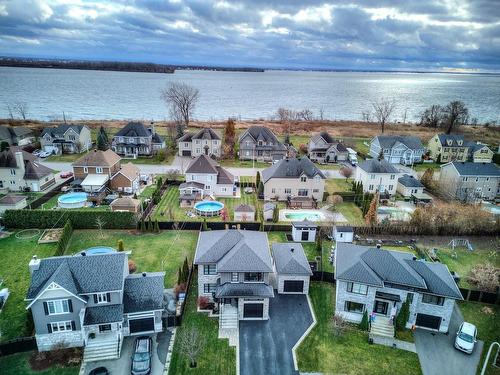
x=133, y=129
x=202, y=164
x=292, y=168
x=244, y=208
x=79, y=274
x=410, y=141
x=378, y=166
x=409, y=181
x=186, y=137
x=244, y=290
x=103, y=314
x=475, y=169
x=290, y=259
x=206, y=133
x=12, y=199
x=327, y=137
x=143, y=293
x=35, y=171
x=32, y=169
x=344, y=228
x=454, y=138
x=261, y=133
x=61, y=129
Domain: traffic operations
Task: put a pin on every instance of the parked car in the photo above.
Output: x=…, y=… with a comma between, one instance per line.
x=36, y=152
x=44, y=154
x=66, y=174
x=99, y=371
x=466, y=338
x=141, y=359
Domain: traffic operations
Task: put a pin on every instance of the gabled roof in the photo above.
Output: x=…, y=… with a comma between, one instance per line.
x=61, y=129
x=292, y=168
x=143, y=292
x=261, y=133
x=475, y=169
x=191, y=184
x=344, y=228
x=206, y=133
x=156, y=138
x=9, y=132
x=186, y=137
x=98, y=158
x=129, y=170
x=224, y=177
x=410, y=141
x=326, y=137
x=477, y=146
x=202, y=164
x=81, y=274
x=454, y=138
x=35, y=171
x=133, y=129
x=12, y=199
x=409, y=181
x=103, y=314
x=8, y=157
x=289, y=258
x=234, y=250
x=378, y=166
x=244, y=208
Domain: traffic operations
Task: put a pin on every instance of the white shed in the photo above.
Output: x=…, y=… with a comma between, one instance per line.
x=12, y=202
x=292, y=268
x=268, y=211
x=244, y=212
x=304, y=231
x=343, y=233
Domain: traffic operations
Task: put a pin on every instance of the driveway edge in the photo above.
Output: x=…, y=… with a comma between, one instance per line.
x=304, y=335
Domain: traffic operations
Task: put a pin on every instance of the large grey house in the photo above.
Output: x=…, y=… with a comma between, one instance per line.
x=470, y=182
x=206, y=142
x=398, y=149
x=92, y=301
x=66, y=139
x=16, y=135
x=378, y=281
x=324, y=149
x=134, y=140
x=260, y=143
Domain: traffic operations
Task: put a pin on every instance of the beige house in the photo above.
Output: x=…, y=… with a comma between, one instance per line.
x=66, y=139
x=244, y=212
x=293, y=178
x=126, y=204
x=448, y=147
x=378, y=176
x=481, y=153
x=206, y=142
x=127, y=179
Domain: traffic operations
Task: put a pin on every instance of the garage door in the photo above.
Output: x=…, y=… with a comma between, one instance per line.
x=293, y=286
x=186, y=153
x=253, y=310
x=428, y=321
x=142, y=325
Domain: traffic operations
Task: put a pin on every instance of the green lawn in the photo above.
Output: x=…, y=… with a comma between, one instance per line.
x=237, y=163
x=52, y=203
x=147, y=192
x=18, y=364
x=351, y=353
x=70, y=158
x=152, y=252
x=338, y=185
x=424, y=166
x=309, y=249
x=15, y=256
x=217, y=356
x=351, y=212
x=487, y=320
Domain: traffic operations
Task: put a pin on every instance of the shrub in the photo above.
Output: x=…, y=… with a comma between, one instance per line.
x=303, y=149
x=402, y=317
x=203, y=302
x=63, y=242
x=120, y=245
x=484, y=277
x=132, y=267
x=339, y=325
x=363, y=325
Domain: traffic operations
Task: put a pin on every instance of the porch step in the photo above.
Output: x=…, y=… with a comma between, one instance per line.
x=382, y=327
x=99, y=350
x=228, y=324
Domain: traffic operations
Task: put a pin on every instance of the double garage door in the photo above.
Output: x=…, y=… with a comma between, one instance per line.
x=141, y=325
x=253, y=310
x=428, y=321
x=293, y=286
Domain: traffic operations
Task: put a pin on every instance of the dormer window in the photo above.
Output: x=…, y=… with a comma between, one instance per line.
x=449, y=142
x=98, y=170
x=102, y=298
x=460, y=143
x=131, y=140
x=260, y=143
x=303, y=178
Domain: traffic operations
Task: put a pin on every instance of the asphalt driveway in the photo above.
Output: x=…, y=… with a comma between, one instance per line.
x=266, y=346
x=122, y=365
x=437, y=354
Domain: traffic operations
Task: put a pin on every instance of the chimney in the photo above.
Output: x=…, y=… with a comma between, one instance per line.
x=152, y=127
x=83, y=253
x=144, y=274
x=379, y=246
x=414, y=258
x=292, y=249
x=34, y=264
x=20, y=161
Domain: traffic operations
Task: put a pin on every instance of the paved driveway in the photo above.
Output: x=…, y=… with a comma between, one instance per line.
x=266, y=347
x=438, y=356
x=122, y=365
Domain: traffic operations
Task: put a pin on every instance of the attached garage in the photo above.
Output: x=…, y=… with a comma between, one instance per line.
x=253, y=311
x=428, y=321
x=293, y=286
x=142, y=325
x=186, y=152
x=292, y=267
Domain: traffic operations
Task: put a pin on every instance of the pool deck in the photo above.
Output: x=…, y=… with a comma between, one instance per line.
x=325, y=215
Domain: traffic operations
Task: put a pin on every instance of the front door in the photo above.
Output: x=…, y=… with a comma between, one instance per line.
x=305, y=236
x=381, y=307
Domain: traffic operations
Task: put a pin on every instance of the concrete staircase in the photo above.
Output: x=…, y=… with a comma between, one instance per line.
x=382, y=326
x=228, y=324
x=102, y=348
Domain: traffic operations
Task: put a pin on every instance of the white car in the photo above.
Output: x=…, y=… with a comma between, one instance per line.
x=44, y=154
x=466, y=337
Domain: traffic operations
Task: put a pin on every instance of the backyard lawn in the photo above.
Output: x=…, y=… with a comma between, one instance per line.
x=309, y=248
x=52, y=203
x=70, y=158
x=15, y=255
x=18, y=364
x=351, y=353
x=338, y=185
x=237, y=163
x=152, y=252
x=351, y=212
x=217, y=357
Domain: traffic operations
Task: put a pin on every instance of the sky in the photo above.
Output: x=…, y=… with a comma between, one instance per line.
x=434, y=35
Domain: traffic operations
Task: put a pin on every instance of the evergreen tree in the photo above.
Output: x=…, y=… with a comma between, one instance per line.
x=381, y=155
x=185, y=270
x=287, y=139
x=260, y=189
x=120, y=245
x=179, y=276
x=4, y=146
x=319, y=242
x=205, y=227
x=363, y=325
x=404, y=314
x=102, y=140
x=159, y=182
x=257, y=179
x=276, y=214
x=371, y=215
x=180, y=130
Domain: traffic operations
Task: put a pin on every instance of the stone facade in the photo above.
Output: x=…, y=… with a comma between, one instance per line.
x=71, y=339
x=280, y=281
x=243, y=301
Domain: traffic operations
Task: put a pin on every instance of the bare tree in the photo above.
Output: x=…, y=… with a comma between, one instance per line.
x=346, y=172
x=382, y=110
x=431, y=117
x=191, y=343
x=22, y=109
x=172, y=174
x=339, y=325
x=10, y=110
x=181, y=100
x=454, y=115
x=100, y=223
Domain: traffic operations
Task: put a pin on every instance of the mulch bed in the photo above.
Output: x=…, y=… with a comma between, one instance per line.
x=70, y=357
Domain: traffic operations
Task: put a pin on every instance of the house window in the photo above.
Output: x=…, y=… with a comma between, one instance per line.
x=98, y=170
x=357, y=288
x=432, y=300
x=372, y=177
x=391, y=187
x=303, y=192
x=354, y=307
x=12, y=182
x=186, y=144
x=393, y=176
x=409, y=298
x=210, y=269
x=254, y=276
x=1, y=184
x=197, y=141
x=273, y=191
x=315, y=190
x=223, y=189
x=131, y=140
x=303, y=179
x=101, y=298
x=209, y=288
x=85, y=170
x=61, y=326
x=12, y=172
x=370, y=187
x=58, y=307
x=288, y=191
x=234, y=277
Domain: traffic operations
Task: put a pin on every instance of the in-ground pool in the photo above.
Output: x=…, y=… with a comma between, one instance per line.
x=72, y=200
x=394, y=213
x=303, y=215
x=98, y=250
x=208, y=208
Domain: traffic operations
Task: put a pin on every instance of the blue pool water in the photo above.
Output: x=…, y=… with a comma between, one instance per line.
x=210, y=206
x=73, y=198
x=98, y=250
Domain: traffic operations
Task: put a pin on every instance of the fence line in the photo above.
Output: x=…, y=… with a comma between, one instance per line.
x=18, y=345
x=48, y=195
x=480, y=296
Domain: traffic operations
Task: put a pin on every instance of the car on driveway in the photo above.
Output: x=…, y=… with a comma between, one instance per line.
x=141, y=358
x=99, y=371
x=44, y=154
x=66, y=174
x=466, y=338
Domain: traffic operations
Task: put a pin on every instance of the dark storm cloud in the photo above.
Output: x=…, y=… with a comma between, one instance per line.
x=386, y=34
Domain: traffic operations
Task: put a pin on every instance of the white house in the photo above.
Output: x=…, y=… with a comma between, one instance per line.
x=343, y=233
x=378, y=176
x=304, y=231
x=396, y=149
x=206, y=141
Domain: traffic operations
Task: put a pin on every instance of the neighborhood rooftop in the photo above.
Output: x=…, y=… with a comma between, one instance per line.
x=378, y=166
x=410, y=141
x=409, y=181
x=61, y=129
x=290, y=258
x=98, y=158
x=292, y=168
x=475, y=169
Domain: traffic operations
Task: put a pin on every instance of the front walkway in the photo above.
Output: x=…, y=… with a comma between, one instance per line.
x=266, y=346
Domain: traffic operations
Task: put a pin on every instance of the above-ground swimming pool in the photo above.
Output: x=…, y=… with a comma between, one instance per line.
x=303, y=215
x=208, y=208
x=98, y=250
x=72, y=200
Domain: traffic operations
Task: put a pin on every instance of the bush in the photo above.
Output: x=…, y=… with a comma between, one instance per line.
x=203, y=302
x=402, y=318
x=132, y=267
x=484, y=277
x=120, y=245
x=363, y=325
x=63, y=242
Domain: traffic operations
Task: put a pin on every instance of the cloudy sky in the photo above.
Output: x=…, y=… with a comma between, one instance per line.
x=344, y=34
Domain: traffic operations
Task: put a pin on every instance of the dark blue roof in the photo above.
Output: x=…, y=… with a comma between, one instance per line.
x=476, y=169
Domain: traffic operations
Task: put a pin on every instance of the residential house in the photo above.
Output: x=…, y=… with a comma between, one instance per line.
x=470, y=182
x=126, y=180
x=343, y=233
x=259, y=143
x=205, y=177
x=378, y=176
x=444, y=148
x=20, y=171
x=293, y=271
x=16, y=135
x=480, y=153
x=92, y=301
x=206, y=141
x=293, y=179
x=411, y=188
x=66, y=139
x=324, y=149
x=304, y=231
x=244, y=212
x=134, y=140
x=397, y=149
x=94, y=170
x=12, y=202
x=378, y=281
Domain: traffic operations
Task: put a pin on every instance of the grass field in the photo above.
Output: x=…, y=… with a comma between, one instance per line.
x=322, y=352
x=338, y=185
x=351, y=212
x=70, y=158
x=18, y=364
x=217, y=357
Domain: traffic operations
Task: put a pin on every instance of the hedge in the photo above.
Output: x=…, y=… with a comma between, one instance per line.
x=63, y=242
x=80, y=219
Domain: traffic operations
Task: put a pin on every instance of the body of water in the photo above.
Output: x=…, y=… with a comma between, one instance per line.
x=339, y=95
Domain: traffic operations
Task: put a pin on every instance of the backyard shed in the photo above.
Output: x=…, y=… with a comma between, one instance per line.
x=268, y=211
x=292, y=268
x=244, y=212
x=304, y=231
x=343, y=233
x=12, y=202
x=126, y=204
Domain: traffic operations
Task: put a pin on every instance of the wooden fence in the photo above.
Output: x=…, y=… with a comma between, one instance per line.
x=18, y=345
x=48, y=195
x=480, y=296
